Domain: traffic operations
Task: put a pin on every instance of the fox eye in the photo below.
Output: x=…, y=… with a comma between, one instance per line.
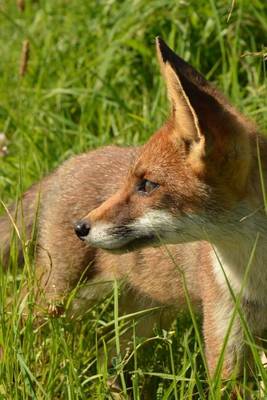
x=146, y=186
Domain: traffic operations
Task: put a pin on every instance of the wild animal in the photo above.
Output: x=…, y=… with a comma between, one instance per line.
x=186, y=210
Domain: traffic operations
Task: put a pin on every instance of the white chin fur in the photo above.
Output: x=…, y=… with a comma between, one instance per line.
x=169, y=229
x=99, y=237
x=154, y=222
x=157, y=222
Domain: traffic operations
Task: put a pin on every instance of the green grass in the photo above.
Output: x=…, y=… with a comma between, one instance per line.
x=93, y=79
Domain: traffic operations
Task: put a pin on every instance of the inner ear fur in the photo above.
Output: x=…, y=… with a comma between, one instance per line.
x=211, y=113
x=184, y=116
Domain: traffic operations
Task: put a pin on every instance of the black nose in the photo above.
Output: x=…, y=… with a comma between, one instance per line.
x=82, y=228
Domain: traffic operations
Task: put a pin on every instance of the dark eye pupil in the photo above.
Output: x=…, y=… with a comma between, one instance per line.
x=147, y=186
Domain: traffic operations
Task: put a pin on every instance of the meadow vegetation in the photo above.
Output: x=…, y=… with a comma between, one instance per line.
x=92, y=79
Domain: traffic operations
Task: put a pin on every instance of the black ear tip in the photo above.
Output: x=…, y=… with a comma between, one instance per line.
x=160, y=43
x=166, y=53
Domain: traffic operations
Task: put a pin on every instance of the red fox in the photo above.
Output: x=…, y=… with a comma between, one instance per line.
x=185, y=209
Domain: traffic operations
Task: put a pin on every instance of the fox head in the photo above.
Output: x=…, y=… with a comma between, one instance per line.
x=191, y=173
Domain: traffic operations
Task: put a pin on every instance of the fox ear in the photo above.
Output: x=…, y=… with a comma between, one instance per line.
x=199, y=109
x=185, y=118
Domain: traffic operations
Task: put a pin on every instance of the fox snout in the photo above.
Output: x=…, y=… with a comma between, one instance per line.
x=82, y=229
x=105, y=235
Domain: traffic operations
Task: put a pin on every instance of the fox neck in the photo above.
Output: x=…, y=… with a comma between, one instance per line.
x=241, y=256
x=241, y=243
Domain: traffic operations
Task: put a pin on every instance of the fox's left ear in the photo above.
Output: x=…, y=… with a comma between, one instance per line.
x=185, y=118
x=199, y=110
